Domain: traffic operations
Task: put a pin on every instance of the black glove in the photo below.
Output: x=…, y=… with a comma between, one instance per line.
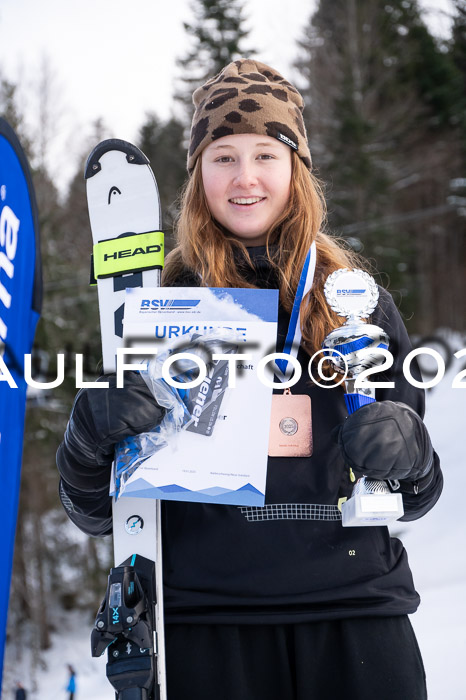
x=99, y=419
x=386, y=440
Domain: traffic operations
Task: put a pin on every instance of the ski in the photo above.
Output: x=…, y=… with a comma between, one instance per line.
x=125, y=219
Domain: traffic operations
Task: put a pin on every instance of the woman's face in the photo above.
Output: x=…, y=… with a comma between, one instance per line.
x=247, y=183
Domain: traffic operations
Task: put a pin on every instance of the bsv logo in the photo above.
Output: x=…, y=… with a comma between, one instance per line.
x=169, y=304
x=350, y=292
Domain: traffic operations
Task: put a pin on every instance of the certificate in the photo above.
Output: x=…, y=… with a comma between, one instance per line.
x=219, y=455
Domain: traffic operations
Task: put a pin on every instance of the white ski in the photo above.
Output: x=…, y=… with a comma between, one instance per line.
x=124, y=212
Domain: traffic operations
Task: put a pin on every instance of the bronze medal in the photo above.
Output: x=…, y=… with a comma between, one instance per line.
x=290, y=425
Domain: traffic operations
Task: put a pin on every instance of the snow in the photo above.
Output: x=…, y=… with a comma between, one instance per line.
x=71, y=646
x=435, y=546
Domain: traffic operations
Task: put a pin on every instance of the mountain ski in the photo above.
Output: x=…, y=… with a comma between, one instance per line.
x=124, y=213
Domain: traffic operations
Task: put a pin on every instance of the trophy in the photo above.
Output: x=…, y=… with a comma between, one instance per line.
x=354, y=294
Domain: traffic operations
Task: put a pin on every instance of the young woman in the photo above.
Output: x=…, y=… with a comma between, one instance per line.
x=287, y=604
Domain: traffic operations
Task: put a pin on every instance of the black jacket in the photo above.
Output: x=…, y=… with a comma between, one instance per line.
x=291, y=561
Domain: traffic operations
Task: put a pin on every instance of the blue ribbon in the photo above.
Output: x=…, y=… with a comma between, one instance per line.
x=293, y=336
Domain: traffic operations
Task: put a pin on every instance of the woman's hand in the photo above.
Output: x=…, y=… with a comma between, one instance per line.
x=386, y=440
x=100, y=418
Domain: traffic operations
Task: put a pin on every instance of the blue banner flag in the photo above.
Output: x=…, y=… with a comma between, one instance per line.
x=20, y=300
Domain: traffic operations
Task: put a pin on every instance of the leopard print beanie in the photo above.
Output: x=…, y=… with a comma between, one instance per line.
x=248, y=97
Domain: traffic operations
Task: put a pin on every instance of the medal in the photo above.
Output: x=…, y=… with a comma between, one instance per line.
x=290, y=425
x=290, y=420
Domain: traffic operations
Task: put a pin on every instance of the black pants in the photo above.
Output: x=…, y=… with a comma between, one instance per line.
x=356, y=659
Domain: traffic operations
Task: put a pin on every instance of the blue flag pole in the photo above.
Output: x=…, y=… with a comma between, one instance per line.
x=20, y=302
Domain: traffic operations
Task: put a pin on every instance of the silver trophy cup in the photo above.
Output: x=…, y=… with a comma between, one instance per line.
x=351, y=349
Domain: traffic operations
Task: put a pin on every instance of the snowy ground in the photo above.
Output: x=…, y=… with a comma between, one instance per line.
x=49, y=682
x=435, y=546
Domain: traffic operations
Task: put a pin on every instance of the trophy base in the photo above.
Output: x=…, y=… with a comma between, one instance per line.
x=366, y=510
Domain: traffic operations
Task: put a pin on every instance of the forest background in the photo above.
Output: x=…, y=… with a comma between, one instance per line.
x=386, y=117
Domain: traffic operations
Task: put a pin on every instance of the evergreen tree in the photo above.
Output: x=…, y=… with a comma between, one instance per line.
x=217, y=32
x=162, y=143
x=10, y=111
x=458, y=39
x=457, y=50
x=384, y=105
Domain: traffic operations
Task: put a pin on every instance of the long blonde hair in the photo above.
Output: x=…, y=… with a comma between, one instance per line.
x=208, y=251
